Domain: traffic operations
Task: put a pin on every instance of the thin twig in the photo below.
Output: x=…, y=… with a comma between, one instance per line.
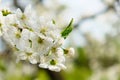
x=110, y=7
x=17, y=5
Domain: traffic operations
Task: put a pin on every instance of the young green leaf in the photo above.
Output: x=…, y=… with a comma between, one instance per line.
x=67, y=30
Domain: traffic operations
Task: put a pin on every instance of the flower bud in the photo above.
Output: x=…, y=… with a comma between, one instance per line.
x=70, y=52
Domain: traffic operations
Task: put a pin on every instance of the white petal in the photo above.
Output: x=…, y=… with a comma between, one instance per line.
x=71, y=51
x=61, y=59
x=28, y=11
x=43, y=65
x=19, y=13
x=54, y=68
x=60, y=52
x=22, y=56
x=62, y=66
x=32, y=60
x=60, y=42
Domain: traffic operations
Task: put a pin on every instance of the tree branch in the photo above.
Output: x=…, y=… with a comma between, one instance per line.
x=17, y=5
x=110, y=7
x=54, y=75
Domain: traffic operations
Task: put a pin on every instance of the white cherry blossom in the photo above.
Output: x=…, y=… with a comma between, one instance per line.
x=35, y=39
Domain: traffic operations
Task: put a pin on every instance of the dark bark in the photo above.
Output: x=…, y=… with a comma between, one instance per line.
x=109, y=7
x=55, y=75
x=17, y=5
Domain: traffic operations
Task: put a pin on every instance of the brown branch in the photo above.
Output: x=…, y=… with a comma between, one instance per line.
x=55, y=75
x=17, y=5
x=110, y=7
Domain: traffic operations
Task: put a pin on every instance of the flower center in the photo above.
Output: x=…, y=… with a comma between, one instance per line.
x=29, y=54
x=43, y=30
x=18, y=35
x=53, y=62
x=40, y=40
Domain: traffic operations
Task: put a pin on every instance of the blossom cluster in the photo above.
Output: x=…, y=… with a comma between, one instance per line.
x=35, y=38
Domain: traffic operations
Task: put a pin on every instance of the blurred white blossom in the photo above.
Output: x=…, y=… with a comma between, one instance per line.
x=111, y=73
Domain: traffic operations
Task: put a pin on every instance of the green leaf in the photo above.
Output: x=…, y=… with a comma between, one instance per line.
x=67, y=30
